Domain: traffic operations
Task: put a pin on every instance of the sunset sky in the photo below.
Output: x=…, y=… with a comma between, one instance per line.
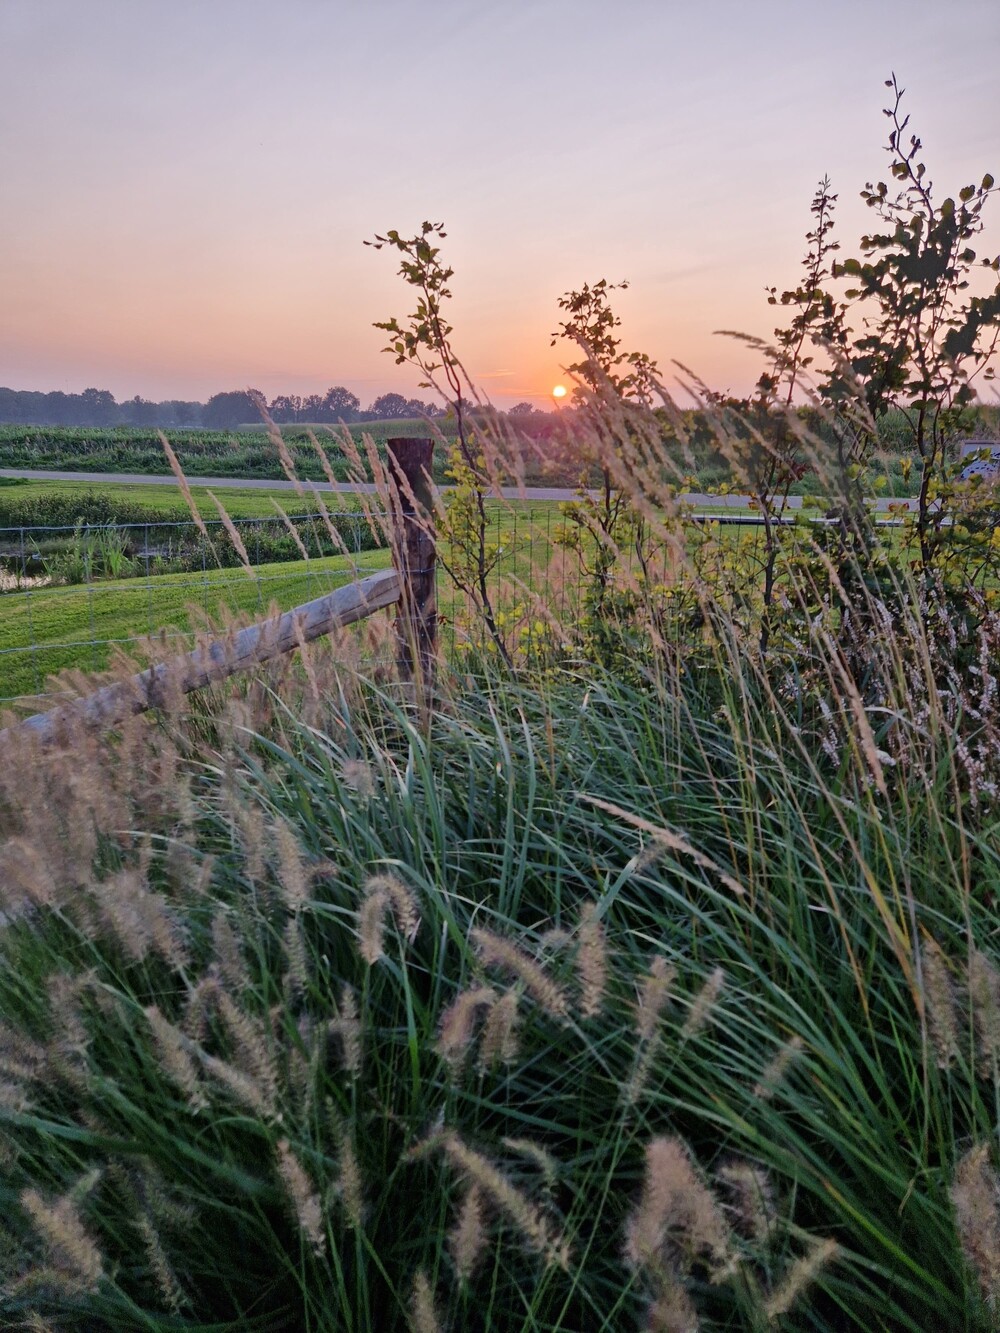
x=186, y=184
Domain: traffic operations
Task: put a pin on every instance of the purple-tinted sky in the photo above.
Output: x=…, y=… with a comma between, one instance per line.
x=186, y=183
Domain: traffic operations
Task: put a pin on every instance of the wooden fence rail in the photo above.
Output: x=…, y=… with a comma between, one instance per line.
x=411, y=584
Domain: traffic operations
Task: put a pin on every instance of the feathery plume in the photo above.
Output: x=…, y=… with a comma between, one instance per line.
x=534, y=1152
x=468, y=1235
x=423, y=1316
x=799, y=1276
x=939, y=1002
x=675, y=1205
x=347, y=1028
x=975, y=1196
x=458, y=1021
x=654, y=995
x=495, y=951
x=252, y=1055
x=753, y=1199
x=498, y=1040
x=984, y=996
x=228, y=955
x=703, y=1004
x=156, y=1256
x=672, y=1312
x=72, y=1248
x=533, y=1225
x=592, y=965
x=301, y=1195
x=291, y=872
x=292, y=530
x=384, y=893
x=774, y=1075
x=350, y=1185
x=176, y=1060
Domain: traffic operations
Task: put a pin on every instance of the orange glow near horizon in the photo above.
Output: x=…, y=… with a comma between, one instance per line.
x=559, y=391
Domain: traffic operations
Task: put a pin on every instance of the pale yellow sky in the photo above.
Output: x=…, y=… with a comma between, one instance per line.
x=187, y=185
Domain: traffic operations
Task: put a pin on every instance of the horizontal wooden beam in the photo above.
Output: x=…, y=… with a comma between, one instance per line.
x=225, y=657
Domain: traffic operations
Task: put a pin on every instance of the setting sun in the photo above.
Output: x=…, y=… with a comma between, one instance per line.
x=559, y=391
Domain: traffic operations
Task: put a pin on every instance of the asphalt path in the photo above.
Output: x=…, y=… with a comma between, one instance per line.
x=365, y=487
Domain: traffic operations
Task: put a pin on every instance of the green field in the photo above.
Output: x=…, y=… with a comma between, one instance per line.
x=47, y=630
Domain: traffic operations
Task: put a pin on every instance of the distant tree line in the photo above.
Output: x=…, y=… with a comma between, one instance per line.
x=223, y=411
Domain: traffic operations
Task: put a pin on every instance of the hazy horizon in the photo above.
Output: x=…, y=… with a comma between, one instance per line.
x=188, y=187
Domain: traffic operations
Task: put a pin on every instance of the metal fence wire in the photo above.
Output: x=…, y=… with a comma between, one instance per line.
x=70, y=594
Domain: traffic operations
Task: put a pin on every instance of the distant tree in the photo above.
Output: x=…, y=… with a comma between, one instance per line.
x=99, y=407
x=285, y=408
x=390, y=407
x=225, y=411
x=522, y=410
x=339, y=404
x=140, y=412
x=312, y=408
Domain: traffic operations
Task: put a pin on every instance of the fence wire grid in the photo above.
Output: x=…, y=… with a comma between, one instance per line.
x=69, y=595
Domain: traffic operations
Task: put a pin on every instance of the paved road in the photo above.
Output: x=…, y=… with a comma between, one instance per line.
x=348, y=488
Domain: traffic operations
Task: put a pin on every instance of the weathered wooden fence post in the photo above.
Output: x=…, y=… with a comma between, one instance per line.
x=410, y=461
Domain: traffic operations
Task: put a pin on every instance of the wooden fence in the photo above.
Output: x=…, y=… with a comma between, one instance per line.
x=410, y=584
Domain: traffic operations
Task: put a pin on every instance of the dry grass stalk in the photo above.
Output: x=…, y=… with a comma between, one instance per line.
x=676, y=1206
x=301, y=1195
x=72, y=1249
x=495, y=951
x=468, y=1236
x=385, y=893
x=232, y=534
x=291, y=529
x=975, y=1196
x=535, y=1153
x=533, y=1225
x=182, y=482
x=668, y=840
x=800, y=1276
x=592, y=961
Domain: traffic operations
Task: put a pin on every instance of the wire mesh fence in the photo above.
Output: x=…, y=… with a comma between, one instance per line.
x=69, y=596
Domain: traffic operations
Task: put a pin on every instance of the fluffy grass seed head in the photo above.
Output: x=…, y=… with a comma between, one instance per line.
x=458, y=1023
x=975, y=1196
x=423, y=1316
x=800, y=1275
x=468, y=1236
x=703, y=1005
x=591, y=961
x=498, y=1040
x=304, y=1200
x=495, y=951
x=384, y=894
x=72, y=1250
x=939, y=1003
x=675, y=1205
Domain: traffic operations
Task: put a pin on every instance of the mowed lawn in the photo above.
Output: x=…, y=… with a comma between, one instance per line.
x=46, y=630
